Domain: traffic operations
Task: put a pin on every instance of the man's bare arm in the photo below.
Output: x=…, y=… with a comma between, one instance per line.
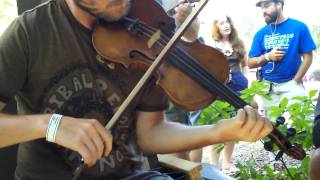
x=275, y=54
x=256, y=62
x=15, y=129
x=192, y=33
x=155, y=135
x=307, y=61
x=86, y=136
x=182, y=12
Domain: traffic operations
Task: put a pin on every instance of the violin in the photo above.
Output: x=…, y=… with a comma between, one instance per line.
x=145, y=41
x=126, y=43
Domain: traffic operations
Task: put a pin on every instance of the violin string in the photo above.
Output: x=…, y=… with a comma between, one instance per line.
x=195, y=67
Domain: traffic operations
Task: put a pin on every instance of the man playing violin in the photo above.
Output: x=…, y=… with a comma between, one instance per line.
x=64, y=97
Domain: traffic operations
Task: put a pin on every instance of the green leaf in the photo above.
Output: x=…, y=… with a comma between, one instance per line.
x=284, y=103
x=313, y=93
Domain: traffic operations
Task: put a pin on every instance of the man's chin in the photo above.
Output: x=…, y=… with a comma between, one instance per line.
x=116, y=14
x=112, y=18
x=267, y=20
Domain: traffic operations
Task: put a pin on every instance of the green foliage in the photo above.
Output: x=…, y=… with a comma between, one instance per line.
x=256, y=88
x=248, y=170
x=215, y=112
x=223, y=110
x=299, y=114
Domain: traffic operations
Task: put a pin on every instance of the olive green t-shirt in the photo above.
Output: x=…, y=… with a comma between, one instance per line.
x=48, y=63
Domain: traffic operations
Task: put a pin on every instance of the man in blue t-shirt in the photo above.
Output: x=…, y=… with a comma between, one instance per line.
x=277, y=48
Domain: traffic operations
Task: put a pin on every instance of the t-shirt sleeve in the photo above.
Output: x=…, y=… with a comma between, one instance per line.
x=256, y=49
x=152, y=99
x=13, y=60
x=306, y=43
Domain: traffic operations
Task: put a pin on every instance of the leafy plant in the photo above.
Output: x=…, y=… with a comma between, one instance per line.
x=299, y=114
x=248, y=170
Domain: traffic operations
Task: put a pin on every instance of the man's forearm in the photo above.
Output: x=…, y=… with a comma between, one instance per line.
x=256, y=62
x=192, y=32
x=158, y=136
x=307, y=61
x=15, y=129
x=172, y=137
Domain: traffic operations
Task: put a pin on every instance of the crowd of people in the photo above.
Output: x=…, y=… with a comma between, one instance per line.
x=65, y=95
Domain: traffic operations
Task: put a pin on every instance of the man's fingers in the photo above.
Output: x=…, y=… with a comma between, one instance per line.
x=106, y=138
x=278, y=54
x=96, y=138
x=258, y=131
x=86, y=155
x=88, y=142
x=251, y=118
x=241, y=117
x=86, y=136
x=184, y=9
x=267, y=128
x=251, y=125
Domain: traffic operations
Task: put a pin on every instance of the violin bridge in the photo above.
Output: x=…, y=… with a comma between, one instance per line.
x=154, y=38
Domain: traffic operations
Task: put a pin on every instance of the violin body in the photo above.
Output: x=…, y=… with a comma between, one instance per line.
x=116, y=43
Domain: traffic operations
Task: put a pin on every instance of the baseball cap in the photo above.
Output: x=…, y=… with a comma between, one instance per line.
x=258, y=4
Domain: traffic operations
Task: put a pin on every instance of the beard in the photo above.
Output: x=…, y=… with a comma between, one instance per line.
x=105, y=15
x=271, y=18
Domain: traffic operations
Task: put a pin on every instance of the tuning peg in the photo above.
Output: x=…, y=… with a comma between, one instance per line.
x=291, y=132
x=279, y=155
x=280, y=120
x=268, y=145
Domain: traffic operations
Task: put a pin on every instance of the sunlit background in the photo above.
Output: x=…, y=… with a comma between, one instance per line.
x=8, y=11
x=246, y=16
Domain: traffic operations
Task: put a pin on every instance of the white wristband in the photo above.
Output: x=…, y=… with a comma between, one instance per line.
x=53, y=127
x=266, y=55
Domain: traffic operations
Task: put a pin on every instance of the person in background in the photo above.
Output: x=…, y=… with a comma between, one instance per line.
x=282, y=49
x=225, y=38
x=173, y=113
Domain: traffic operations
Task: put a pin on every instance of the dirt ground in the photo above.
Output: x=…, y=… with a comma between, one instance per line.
x=244, y=151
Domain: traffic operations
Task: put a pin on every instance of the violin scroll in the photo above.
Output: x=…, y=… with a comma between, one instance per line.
x=293, y=150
